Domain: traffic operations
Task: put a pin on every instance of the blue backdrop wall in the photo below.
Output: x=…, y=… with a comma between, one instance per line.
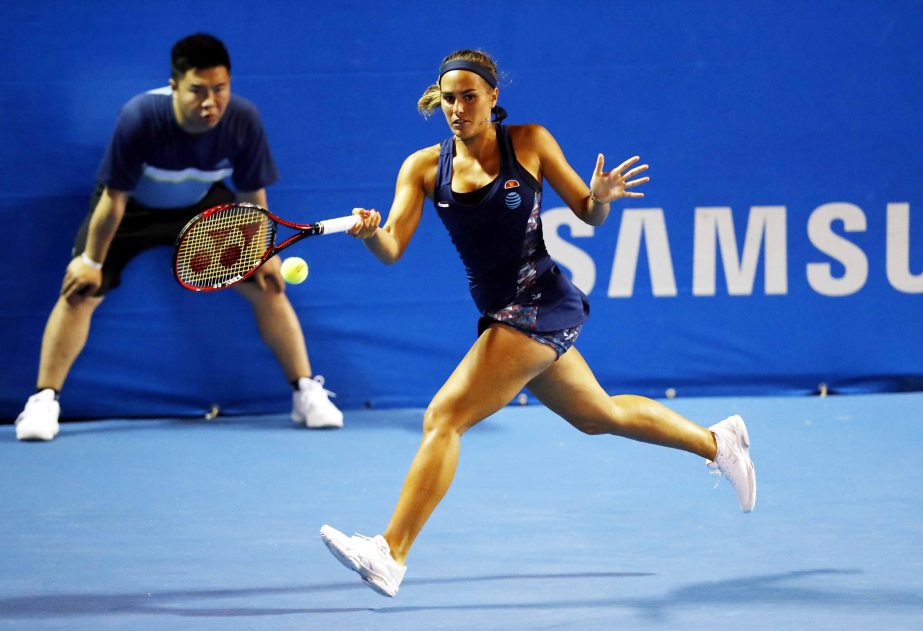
x=780, y=244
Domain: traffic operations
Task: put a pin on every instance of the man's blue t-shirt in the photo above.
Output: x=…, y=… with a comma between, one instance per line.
x=163, y=166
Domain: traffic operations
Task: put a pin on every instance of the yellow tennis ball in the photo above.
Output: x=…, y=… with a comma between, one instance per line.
x=294, y=270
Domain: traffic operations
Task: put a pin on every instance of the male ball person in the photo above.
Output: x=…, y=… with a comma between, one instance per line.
x=169, y=157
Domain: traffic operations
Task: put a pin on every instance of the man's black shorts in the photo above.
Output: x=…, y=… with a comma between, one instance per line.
x=143, y=228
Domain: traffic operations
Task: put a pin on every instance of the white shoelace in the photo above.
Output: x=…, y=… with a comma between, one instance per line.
x=319, y=380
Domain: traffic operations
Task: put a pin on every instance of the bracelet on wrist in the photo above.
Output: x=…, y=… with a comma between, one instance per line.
x=596, y=200
x=90, y=262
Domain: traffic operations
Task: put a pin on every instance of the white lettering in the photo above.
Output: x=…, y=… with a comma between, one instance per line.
x=714, y=229
x=898, y=250
x=853, y=259
x=650, y=224
x=843, y=273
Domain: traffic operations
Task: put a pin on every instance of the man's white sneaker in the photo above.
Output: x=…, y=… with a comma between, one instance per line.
x=733, y=459
x=370, y=557
x=39, y=419
x=311, y=405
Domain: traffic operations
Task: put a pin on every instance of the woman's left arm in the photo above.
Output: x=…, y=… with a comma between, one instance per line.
x=591, y=204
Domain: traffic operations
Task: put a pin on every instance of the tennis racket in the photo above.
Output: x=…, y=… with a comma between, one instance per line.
x=226, y=244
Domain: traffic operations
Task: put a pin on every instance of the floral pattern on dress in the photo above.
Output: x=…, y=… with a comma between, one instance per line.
x=522, y=312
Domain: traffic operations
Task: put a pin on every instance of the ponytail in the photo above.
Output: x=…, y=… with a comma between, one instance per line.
x=430, y=100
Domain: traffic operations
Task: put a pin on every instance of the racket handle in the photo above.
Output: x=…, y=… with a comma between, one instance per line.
x=340, y=224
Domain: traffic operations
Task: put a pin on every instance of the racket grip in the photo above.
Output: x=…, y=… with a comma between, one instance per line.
x=340, y=224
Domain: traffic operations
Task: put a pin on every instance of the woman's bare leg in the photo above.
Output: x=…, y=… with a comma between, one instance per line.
x=570, y=389
x=496, y=368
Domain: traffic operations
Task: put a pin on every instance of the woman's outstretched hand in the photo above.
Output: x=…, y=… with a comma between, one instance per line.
x=609, y=186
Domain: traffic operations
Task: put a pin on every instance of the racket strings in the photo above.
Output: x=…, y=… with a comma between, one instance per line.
x=223, y=246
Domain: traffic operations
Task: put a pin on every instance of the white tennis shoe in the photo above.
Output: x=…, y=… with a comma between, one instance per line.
x=312, y=407
x=733, y=460
x=39, y=419
x=370, y=557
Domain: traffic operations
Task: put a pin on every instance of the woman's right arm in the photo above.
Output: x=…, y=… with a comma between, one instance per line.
x=415, y=182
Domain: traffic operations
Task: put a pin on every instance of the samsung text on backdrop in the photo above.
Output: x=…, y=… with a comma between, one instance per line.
x=766, y=236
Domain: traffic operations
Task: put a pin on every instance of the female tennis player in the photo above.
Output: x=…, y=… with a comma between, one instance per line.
x=486, y=183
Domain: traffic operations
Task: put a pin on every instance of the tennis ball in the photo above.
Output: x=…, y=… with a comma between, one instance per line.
x=294, y=270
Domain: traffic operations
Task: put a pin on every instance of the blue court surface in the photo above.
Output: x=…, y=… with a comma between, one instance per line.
x=194, y=524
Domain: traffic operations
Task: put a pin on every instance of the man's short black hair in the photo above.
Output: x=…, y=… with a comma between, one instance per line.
x=199, y=51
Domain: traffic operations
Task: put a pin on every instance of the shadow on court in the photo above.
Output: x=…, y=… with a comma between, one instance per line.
x=779, y=590
x=75, y=605
x=774, y=590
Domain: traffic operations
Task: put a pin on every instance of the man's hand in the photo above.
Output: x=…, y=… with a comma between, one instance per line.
x=80, y=281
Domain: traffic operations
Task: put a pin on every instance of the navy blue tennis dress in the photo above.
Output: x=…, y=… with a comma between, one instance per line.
x=497, y=231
